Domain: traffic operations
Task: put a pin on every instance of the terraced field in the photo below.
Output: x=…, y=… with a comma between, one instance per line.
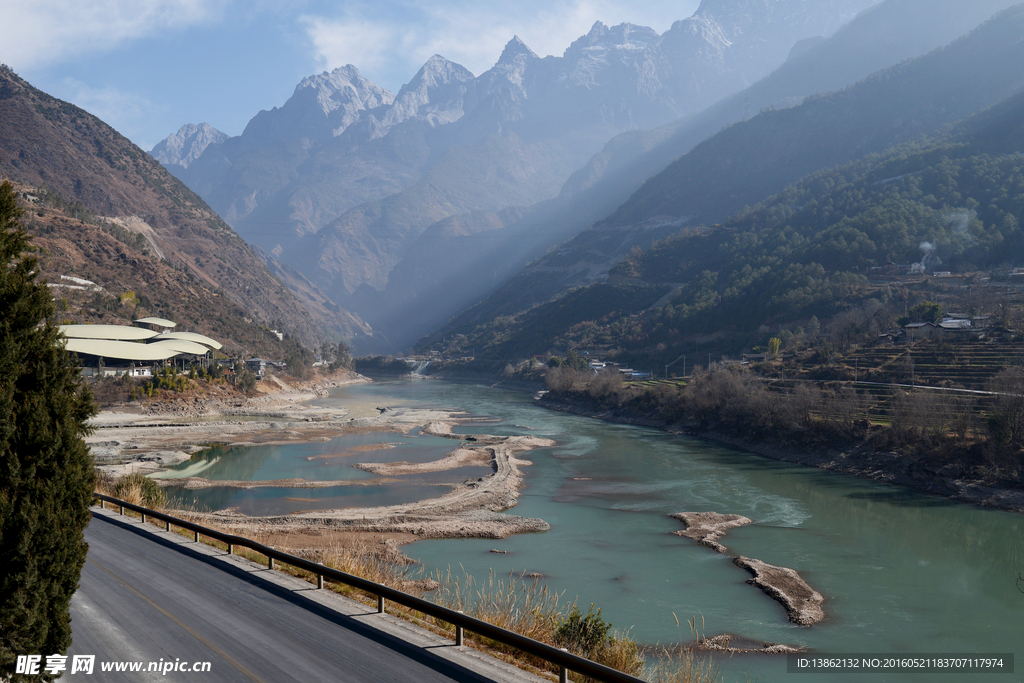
x=947, y=374
x=937, y=363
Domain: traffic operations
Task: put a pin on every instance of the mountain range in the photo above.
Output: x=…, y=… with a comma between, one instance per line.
x=340, y=182
x=921, y=157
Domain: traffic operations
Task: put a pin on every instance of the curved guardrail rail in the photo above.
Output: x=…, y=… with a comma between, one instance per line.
x=566, y=661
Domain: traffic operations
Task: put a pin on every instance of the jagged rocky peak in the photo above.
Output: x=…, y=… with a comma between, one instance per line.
x=341, y=87
x=622, y=37
x=728, y=44
x=439, y=92
x=593, y=60
x=515, y=50
x=510, y=67
x=435, y=72
x=322, y=106
x=185, y=146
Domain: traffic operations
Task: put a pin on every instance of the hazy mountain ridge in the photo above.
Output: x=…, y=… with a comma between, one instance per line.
x=952, y=203
x=883, y=33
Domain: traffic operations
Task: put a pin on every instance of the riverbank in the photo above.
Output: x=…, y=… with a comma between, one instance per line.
x=850, y=458
x=150, y=435
x=158, y=435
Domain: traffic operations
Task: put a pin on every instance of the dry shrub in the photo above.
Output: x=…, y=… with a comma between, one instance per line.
x=104, y=483
x=138, y=489
x=622, y=653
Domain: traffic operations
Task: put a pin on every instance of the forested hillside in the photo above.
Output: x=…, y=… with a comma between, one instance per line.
x=839, y=239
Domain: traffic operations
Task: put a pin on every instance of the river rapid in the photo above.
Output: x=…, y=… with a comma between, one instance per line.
x=901, y=572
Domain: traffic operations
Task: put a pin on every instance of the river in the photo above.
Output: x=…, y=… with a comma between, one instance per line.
x=901, y=572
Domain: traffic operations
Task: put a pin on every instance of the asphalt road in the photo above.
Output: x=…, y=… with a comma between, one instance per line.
x=146, y=596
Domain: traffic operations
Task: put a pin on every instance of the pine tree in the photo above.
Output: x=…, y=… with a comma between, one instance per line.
x=46, y=475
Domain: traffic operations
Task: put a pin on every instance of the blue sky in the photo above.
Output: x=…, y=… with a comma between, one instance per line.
x=148, y=66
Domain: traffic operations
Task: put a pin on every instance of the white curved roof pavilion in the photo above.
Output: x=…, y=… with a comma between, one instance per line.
x=192, y=337
x=120, y=350
x=182, y=346
x=159, y=322
x=109, y=332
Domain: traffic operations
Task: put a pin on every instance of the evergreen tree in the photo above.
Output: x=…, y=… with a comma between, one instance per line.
x=46, y=474
x=341, y=356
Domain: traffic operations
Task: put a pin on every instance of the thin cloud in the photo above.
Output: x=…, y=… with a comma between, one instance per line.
x=52, y=31
x=369, y=45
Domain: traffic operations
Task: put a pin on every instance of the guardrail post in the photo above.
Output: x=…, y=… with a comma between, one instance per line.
x=121, y=512
x=380, y=604
x=230, y=548
x=270, y=562
x=563, y=673
x=168, y=525
x=459, y=633
x=320, y=579
x=143, y=517
x=197, y=537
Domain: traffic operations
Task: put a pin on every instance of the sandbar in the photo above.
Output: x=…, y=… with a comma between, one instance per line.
x=802, y=603
x=707, y=527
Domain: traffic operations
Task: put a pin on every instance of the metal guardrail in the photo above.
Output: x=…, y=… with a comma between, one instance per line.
x=566, y=661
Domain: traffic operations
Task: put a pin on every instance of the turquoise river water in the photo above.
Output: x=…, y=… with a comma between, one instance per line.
x=901, y=572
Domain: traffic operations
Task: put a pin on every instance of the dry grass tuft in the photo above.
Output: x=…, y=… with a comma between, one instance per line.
x=682, y=667
x=525, y=606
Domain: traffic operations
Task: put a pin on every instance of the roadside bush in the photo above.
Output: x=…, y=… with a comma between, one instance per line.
x=137, y=489
x=590, y=636
x=584, y=635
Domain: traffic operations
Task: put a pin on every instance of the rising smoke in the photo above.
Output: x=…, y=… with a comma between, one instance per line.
x=959, y=220
x=927, y=258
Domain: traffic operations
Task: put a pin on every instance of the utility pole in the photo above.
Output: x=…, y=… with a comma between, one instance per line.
x=683, y=357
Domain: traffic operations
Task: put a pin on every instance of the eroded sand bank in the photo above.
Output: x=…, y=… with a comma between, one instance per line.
x=802, y=603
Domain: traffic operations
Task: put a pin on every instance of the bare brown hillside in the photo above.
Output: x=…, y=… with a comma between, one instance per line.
x=88, y=168
x=101, y=273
